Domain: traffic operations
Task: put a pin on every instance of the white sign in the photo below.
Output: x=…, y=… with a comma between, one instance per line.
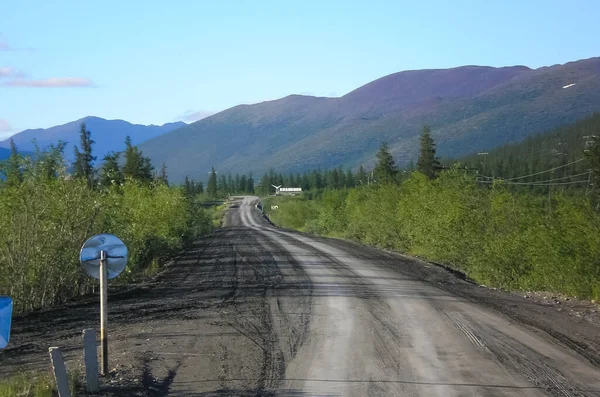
x=291, y=189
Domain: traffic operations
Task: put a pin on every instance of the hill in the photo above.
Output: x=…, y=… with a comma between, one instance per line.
x=109, y=135
x=469, y=108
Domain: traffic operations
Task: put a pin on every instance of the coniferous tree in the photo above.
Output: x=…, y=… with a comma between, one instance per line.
x=12, y=167
x=361, y=176
x=110, y=172
x=236, y=183
x=211, y=188
x=349, y=179
x=428, y=164
x=222, y=185
x=83, y=164
x=385, y=171
x=189, y=186
x=162, y=175
x=137, y=166
x=199, y=188
x=230, y=184
x=49, y=164
x=341, y=178
x=244, y=184
x=305, y=182
x=250, y=184
x=593, y=156
x=316, y=180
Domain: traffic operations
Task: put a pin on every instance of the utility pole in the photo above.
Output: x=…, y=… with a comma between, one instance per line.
x=484, y=154
x=590, y=142
x=556, y=152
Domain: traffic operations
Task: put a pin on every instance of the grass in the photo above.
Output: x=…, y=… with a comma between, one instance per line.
x=216, y=213
x=27, y=385
x=36, y=385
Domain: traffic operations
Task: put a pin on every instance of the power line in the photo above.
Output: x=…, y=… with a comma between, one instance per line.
x=537, y=173
x=538, y=184
x=557, y=179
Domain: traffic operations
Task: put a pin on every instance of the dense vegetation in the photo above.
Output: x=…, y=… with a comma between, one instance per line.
x=496, y=234
x=523, y=165
x=46, y=213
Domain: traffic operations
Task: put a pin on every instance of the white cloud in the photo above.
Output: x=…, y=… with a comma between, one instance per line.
x=5, y=127
x=191, y=115
x=53, y=82
x=6, y=72
x=4, y=46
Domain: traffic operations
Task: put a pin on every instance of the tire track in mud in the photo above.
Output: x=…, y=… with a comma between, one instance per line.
x=254, y=309
x=516, y=357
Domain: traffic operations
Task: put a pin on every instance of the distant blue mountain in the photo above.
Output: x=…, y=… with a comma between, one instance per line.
x=4, y=153
x=108, y=135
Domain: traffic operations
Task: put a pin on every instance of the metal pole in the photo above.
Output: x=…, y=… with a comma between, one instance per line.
x=103, y=314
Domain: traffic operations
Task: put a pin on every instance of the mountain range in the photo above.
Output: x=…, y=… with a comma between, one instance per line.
x=468, y=108
x=4, y=153
x=109, y=135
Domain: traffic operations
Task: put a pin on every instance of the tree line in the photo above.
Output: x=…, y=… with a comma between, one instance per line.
x=566, y=159
x=221, y=186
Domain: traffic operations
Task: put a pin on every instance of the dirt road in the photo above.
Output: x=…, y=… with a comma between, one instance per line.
x=255, y=310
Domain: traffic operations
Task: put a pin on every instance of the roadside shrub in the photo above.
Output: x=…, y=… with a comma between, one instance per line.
x=43, y=224
x=498, y=237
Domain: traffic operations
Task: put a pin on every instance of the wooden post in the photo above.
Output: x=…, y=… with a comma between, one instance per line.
x=103, y=314
x=90, y=358
x=60, y=372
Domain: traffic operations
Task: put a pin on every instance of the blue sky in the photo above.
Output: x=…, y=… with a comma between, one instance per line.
x=158, y=61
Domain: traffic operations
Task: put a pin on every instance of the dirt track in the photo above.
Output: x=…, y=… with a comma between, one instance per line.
x=254, y=310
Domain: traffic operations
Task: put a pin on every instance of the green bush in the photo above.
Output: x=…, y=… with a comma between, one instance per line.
x=43, y=224
x=498, y=237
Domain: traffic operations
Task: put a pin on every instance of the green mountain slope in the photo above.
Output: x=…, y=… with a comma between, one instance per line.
x=469, y=108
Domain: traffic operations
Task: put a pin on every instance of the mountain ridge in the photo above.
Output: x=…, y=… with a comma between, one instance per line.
x=109, y=135
x=468, y=108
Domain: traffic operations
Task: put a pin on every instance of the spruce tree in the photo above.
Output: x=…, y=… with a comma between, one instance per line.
x=137, y=166
x=244, y=184
x=211, y=188
x=12, y=167
x=428, y=164
x=222, y=185
x=385, y=171
x=162, y=175
x=230, y=184
x=361, y=176
x=110, y=173
x=199, y=188
x=83, y=165
x=236, y=183
x=593, y=157
x=250, y=184
x=349, y=179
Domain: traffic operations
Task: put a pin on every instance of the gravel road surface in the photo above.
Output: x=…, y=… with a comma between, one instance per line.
x=254, y=310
